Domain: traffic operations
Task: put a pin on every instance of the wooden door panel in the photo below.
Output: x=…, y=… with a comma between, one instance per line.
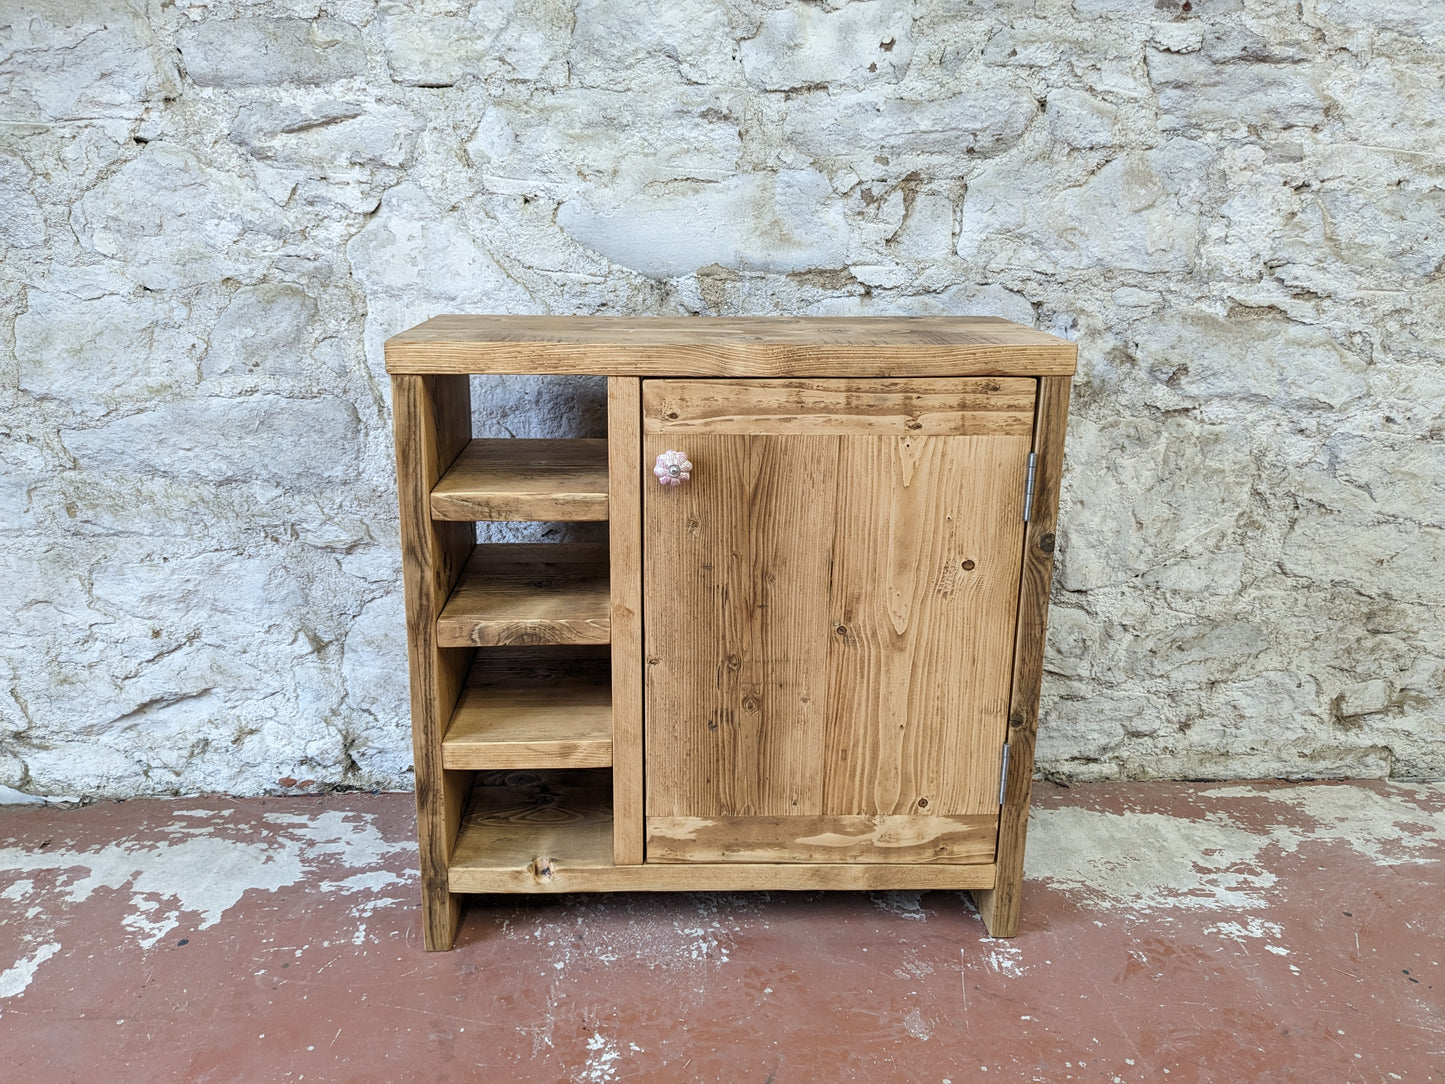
x=919, y=663
x=828, y=619
x=736, y=664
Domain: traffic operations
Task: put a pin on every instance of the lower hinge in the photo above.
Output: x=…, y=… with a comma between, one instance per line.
x=1003, y=775
x=1029, y=485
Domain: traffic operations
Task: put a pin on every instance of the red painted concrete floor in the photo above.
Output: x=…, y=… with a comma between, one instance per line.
x=1172, y=932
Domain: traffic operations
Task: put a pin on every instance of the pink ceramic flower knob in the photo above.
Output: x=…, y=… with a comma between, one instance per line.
x=672, y=468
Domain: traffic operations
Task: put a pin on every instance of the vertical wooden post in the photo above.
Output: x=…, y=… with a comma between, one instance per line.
x=999, y=906
x=624, y=540
x=432, y=424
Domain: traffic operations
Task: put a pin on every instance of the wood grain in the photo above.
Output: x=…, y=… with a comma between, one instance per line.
x=626, y=477
x=730, y=346
x=531, y=708
x=829, y=624
x=960, y=407
x=920, y=659
x=529, y=593
x=999, y=906
x=431, y=419
x=514, y=479
x=736, y=583
x=828, y=838
x=543, y=832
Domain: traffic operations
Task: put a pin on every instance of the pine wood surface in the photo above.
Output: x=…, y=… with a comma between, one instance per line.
x=517, y=479
x=999, y=907
x=815, y=645
x=533, y=708
x=833, y=838
x=432, y=420
x=626, y=478
x=730, y=346
x=960, y=407
x=552, y=832
x=529, y=593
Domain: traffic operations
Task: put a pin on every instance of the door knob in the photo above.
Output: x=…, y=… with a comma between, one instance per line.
x=672, y=468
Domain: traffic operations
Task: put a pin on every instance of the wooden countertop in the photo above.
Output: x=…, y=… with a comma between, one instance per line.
x=898, y=346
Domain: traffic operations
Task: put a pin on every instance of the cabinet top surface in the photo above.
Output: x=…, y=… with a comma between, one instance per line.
x=730, y=346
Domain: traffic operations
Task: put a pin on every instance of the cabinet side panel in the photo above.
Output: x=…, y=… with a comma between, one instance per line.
x=999, y=906
x=625, y=479
x=432, y=423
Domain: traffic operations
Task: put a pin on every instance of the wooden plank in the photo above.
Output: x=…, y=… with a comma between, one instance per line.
x=958, y=407
x=625, y=479
x=999, y=906
x=514, y=479
x=528, y=709
x=541, y=832
x=527, y=820
x=565, y=876
x=432, y=419
x=922, y=605
x=529, y=593
x=736, y=626
x=834, y=838
x=730, y=346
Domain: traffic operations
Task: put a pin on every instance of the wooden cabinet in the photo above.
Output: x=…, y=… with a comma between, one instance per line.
x=812, y=664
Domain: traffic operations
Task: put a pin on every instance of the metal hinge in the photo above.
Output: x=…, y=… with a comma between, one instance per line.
x=1003, y=775
x=1029, y=486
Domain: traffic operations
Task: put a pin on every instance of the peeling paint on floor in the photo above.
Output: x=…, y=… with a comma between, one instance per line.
x=1171, y=932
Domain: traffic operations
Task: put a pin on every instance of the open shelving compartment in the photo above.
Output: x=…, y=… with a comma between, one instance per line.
x=509, y=646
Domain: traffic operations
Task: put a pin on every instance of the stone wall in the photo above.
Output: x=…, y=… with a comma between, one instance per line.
x=212, y=214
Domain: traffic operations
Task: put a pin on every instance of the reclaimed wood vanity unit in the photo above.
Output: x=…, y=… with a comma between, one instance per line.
x=810, y=661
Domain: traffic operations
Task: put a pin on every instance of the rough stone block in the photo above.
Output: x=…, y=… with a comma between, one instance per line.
x=326, y=137
x=172, y=220
x=1080, y=120
x=788, y=221
x=99, y=354
x=860, y=125
x=1255, y=358
x=1195, y=91
x=298, y=443
x=1129, y=214
x=61, y=61
x=1364, y=698
x=262, y=51
x=631, y=45
x=805, y=46
x=264, y=330
x=1122, y=513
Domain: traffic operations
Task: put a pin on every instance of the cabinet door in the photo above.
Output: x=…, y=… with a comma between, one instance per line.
x=829, y=609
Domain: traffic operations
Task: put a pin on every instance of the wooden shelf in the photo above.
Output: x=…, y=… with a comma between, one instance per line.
x=529, y=593
x=507, y=479
x=551, y=831
x=522, y=708
x=521, y=827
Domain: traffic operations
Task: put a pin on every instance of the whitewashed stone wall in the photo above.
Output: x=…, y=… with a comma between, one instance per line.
x=212, y=214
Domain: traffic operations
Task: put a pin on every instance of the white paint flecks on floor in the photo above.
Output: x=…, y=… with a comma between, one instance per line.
x=14, y=980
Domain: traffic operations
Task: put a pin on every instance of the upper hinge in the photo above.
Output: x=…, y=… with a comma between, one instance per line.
x=1003, y=775
x=1029, y=486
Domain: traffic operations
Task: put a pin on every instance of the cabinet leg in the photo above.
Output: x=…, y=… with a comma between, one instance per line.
x=441, y=912
x=999, y=909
